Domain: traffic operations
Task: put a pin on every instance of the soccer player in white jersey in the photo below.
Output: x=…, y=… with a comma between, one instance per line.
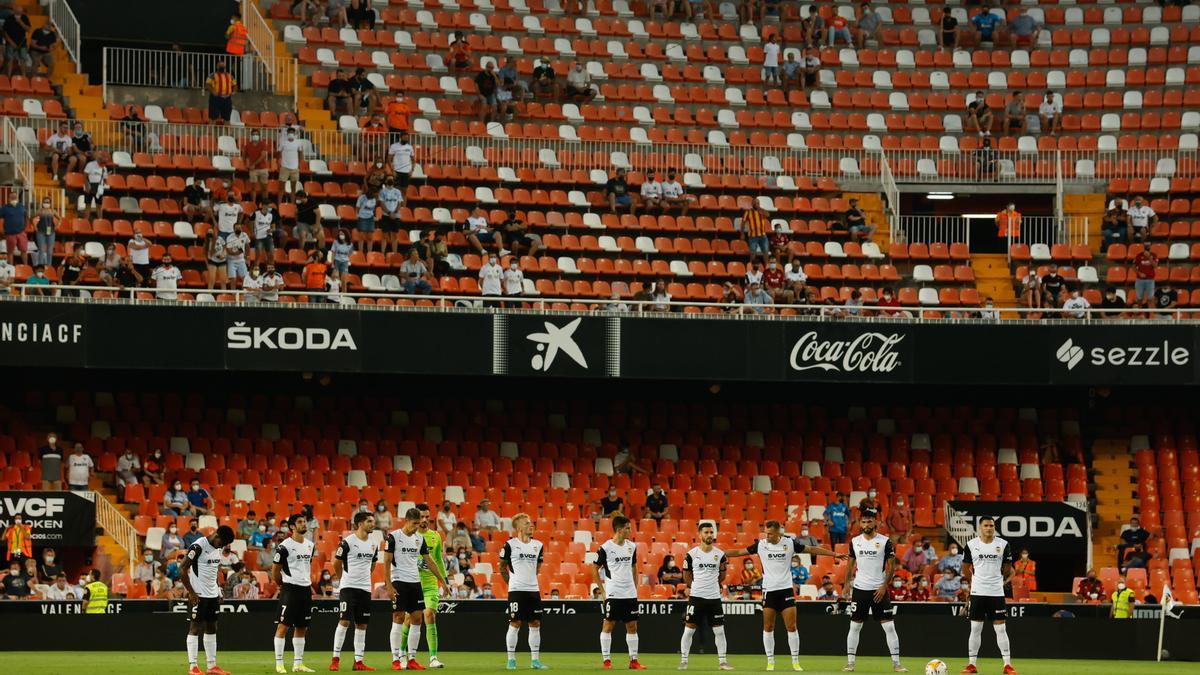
x=292, y=572
x=987, y=567
x=704, y=572
x=520, y=562
x=775, y=551
x=616, y=575
x=405, y=553
x=872, y=566
x=353, y=562
x=199, y=576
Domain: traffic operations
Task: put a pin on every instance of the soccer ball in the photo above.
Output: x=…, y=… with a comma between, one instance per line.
x=935, y=667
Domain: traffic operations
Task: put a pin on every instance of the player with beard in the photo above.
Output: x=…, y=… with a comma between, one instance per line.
x=199, y=576
x=987, y=567
x=872, y=566
x=704, y=572
x=292, y=572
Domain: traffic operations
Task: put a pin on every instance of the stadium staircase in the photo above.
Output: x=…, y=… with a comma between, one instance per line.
x=994, y=278
x=1114, y=482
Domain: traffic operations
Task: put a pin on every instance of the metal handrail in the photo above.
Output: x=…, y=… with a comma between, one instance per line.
x=63, y=18
x=115, y=524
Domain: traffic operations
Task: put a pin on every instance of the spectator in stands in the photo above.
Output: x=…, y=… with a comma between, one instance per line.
x=857, y=221
x=60, y=590
x=1141, y=219
x=216, y=261
x=985, y=24
x=247, y=526
x=1024, y=30
x=692, y=9
x=628, y=462
x=770, y=65
x=146, y=569
x=460, y=52
x=459, y=537
x=260, y=536
x=953, y=560
x=776, y=284
x=335, y=11
x=1050, y=110
x=228, y=214
x=491, y=277
x=517, y=234
x=806, y=536
x=506, y=107
x=948, y=34
x=486, y=518
x=1008, y=221
x=669, y=573
x=480, y=232
x=51, y=456
x=41, y=48
x=252, y=284
x=220, y=86
x=755, y=227
x=1025, y=569
x=757, y=299
x=60, y=150
x=18, y=538
x=868, y=25
x=514, y=280
x=661, y=298
x=508, y=72
x=360, y=15
x=415, y=277
x=1137, y=556
x=751, y=576
x=364, y=227
x=748, y=10
x=339, y=254
x=915, y=558
x=919, y=589
x=272, y=283
x=800, y=573
x=1090, y=589
x=812, y=27
x=139, y=252
x=543, y=81
x=611, y=504
x=486, y=85
x=1133, y=535
x=49, y=568
x=127, y=470
x=836, y=516
x=325, y=585
x=812, y=66
x=1115, y=225
x=839, y=28
x=656, y=503
x=308, y=222
x=651, y=192
x=1032, y=294
x=72, y=270
x=1014, y=113
x=8, y=276
x=265, y=230
x=979, y=115
x=200, y=499
x=1113, y=304
x=791, y=72
x=828, y=592
x=175, y=501
x=16, y=583
x=258, y=160
x=16, y=41
x=617, y=193
x=1165, y=298
x=948, y=586
x=15, y=221
x=447, y=519
x=674, y=195
x=237, y=245
x=1054, y=287
x=79, y=469
x=289, y=163
x=1145, y=266
x=579, y=88
x=870, y=502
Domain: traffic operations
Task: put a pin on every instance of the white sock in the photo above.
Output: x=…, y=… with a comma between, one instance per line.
x=685, y=643
x=1002, y=642
x=210, y=649
x=606, y=645
x=280, y=645
x=535, y=642
x=893, y=641
x=794, y=645
x=193, y=649
x=510, y=640
x=360, y=643
x=394, y=638
x=852, y=641
x=631, y=641
x=339, y=639
x=769, y=646
x=414, y=640
x=719, y=638
x=298, y=647
x=974, y=641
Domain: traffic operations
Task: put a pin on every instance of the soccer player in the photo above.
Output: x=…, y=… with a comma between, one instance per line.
x=404, y=551
x=872, y=566
x=775, y=553
x=987, y=567
x=429, y=586
x=353, y=562
x=199, y=576
x=704, y=572
x=615, y=572
x=292, y=572
x=520, y=562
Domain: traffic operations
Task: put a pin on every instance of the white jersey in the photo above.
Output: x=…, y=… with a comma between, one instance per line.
x=408, y=551
x=1139, y=216
x=776, y=562
x=522, y=560
x=490, y=278
x=514, y=282
x=358, y=558
x=402, y=157
x=202, y=573
x=253, y=287
x=262, y=224
x=227, y=215
x=987, y=561
x=771, y=55
x=870, y=560
x=672, y=189
x=295, y=561
x=618, y=562
x=706, y=569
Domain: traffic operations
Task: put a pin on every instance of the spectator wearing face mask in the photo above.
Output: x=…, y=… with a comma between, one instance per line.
x=899, y=519
x=171, y=541
x=479, y=540
x=247, y=526
x=289, y=163
x=15, y=221
x=800, y=573
x=915, y=559
x=919, y=591
x=48, y=568
x=514, y=280
x=152, y=469
x=193, y=533
x=146, y=569
x=79, y=469
x=491, y=277
x=1025, y=569
x=52, y=463
x=870, y=502
x=60, y=590
x=258, y=161
x=383, y=517
x=459, y=536
x=485, y=517
x=1123, y=601
x=16, y=584
x=260, y=536
x=19, y=538
x=415, y=277
x=325, y=585
x=166, y=279
x=828, y=592
x=750, y=574
x=221, y=85
x=899, y=591
x=836, y=518
x=340, y=254
x=952, y=560
x=128, y=468
x=201, y=500
x=446, y=519
x=669, y=573
x=611, y=504
x=160, y=588
x=948, y=586
x=266, y=555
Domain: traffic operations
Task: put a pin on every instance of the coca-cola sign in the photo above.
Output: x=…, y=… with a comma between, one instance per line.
x=868, y=353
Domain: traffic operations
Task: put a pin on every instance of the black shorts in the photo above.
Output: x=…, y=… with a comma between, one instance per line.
x=863, y=605
x=522, y=239
x=621, y=609
x=402, y=179
x=779, y=600
x=410, y=597
x=354, y=605
x=524, y=606
x=987, y=608
x=389, y=224
x=295, y=605
x=712, y=610
x=205, y=609
x=220, y=108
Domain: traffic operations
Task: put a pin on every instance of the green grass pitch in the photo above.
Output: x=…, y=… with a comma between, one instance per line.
x=256, y=663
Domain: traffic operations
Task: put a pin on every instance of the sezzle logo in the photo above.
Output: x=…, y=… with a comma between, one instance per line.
x=553, y=341
x=1070, y=355
x=241, y=336
x=869, y=352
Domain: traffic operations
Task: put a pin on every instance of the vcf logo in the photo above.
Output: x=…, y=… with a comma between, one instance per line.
x=1070, y=354
x=554, y=340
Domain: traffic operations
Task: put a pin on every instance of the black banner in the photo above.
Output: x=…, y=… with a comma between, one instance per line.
x=1055, y=533
x=334, y=338
x=57, y=518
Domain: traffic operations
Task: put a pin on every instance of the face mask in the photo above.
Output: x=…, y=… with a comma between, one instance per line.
x=178, y=487
x=381, y=508
x=148, y=558
x=803, y=533
x=173, y=530
x=262, y=528
x=897, y=583
x=953, y=551
x=871, y=493
x=513, y=267
x=772, y=265
x=254, y=137
x=45, y=205
x=291, y=137
x=924, y=583
x=14, y=202
x=341, y=237
x=50, y=558
x=493, y=261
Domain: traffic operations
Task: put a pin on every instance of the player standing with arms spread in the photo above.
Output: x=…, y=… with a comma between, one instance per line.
x=199, y=576
x=704, y=572
x=872, y=566
x=292, y=572
x=616, y=567
x=429, y=586
x=987, y=567
x=520, y=563
x=775, y=553
x=405, y=551
x=354, y=560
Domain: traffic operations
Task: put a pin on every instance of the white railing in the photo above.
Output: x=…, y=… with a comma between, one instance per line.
x=284, y=72
x=63, y=18
x=11, y=144
x=33, y=198
x=1058, y=187
x=124, y=66
x=115, y=525
x=891, y=194
x=930, y=229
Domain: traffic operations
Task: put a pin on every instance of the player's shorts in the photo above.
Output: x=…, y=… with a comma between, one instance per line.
x=410, y=597
x=987, y=608
x=712, y=610
x=354, y=605
x=622, y=609
x=779, y=600
x=429, y=593
x=295, y=605
x=205, y=609
x=524, y=606
x=863, y=605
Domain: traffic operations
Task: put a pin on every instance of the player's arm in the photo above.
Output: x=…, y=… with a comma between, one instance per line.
x=189, y=561
x=849, y=577
x=434, y=568
x=601, y=563
x=1006, y=566
x=506, y=562
x=818, y=550
x=742, y=552
x=889, y=570
x=968, y=567
x=339, y=560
